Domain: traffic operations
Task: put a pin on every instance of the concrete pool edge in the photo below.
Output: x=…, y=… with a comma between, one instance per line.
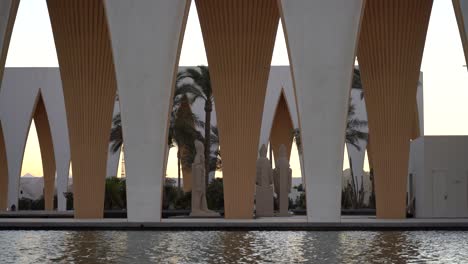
x=236, y=225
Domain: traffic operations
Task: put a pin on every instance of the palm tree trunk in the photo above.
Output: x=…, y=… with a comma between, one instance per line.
x=178, y=168
x=271, y=154
x=208, y=109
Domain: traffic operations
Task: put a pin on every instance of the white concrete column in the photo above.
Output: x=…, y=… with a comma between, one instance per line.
x=321, y=37
x=8, y=9
x=17, y=102
x=52, y=93
x=146, y=38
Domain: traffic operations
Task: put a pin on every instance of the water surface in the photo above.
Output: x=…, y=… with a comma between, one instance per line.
x=232, y=247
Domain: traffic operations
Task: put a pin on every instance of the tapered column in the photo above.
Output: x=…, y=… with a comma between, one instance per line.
x=89, y=86
x=461, y=12
x=239, y=37
x=321, y=37
x=282, y=129
x=47, y=152
x=146, y=40
x=391, y=46
x=8, y=10
x=3, y=173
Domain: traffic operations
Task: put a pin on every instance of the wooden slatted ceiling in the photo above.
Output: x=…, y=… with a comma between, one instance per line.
x=239, y=37
x=88, y=77
x=390, y=51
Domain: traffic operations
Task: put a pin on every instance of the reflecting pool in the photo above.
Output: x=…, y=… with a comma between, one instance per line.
x=232, y=247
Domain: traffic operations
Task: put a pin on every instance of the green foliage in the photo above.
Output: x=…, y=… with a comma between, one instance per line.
x=299, y=188
x=114, y=198
x=296, y=135
x=29, y=204
x=38, y=204
x=183, y=201
x=170, y=193
x=347, y=197
x=215, y=194
x=353, y=134
x=115, y=194
x=175, y=199
x=291, y=204
x=116, y=137
x=301, y=201
x=372, y=195
x=69, y=198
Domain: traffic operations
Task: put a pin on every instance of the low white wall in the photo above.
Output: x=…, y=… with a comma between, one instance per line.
x=440, y=176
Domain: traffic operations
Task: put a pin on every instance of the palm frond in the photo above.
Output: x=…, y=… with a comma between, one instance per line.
x=190, y=91
x=116, y=135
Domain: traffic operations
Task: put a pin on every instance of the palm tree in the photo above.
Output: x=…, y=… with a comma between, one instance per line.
x=353, y=134
x=114, y=190
x=183, y=133
x=201, y=88
x=116, y=133
x=357, y=84
x=296, y=135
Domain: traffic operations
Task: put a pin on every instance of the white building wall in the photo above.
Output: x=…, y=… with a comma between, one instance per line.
x=441, y=176
x=146, y=38
x=321, y=38
x=18, y=95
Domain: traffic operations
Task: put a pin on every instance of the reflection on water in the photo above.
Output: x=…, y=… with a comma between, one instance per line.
x=232, y=247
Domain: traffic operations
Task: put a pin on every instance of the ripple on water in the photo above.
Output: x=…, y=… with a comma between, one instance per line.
x=232, y=247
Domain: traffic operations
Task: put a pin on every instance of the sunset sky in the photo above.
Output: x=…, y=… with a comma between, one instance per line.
x=445, y=78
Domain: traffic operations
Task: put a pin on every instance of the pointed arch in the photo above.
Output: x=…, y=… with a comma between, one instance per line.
x=3, y=173
x=282, y=128
x=44, y=135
